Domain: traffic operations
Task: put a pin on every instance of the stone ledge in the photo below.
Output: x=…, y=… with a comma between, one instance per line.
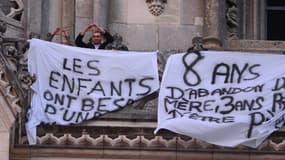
x=143, y=138
x=277, y=47
x=43, y=153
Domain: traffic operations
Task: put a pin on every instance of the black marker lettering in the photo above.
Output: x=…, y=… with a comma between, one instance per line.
x=76, y=66
x=87, y=104
x=50, y=109
x=130, y=80
x=93, y=67
x=175, y=93
x=142, y=84
x=52, y=78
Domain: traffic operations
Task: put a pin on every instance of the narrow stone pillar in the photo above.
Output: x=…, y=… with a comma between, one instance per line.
x=5, y=144
x=33, y=17
x=83, y=16
x=100, y=12
x=68, y=14
x=212, y=37
x=7, y=120
x=60, y=14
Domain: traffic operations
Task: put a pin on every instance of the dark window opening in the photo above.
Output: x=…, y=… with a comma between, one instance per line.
x=275, y=3
x=275, y=25
x=275, y=19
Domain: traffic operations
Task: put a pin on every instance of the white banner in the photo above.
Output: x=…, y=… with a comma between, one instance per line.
x=75, y=84
x=223, y=98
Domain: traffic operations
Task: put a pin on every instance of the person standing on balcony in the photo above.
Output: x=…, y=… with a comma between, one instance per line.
x=96, y=40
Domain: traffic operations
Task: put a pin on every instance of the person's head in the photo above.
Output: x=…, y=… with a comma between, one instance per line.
x=96, y=37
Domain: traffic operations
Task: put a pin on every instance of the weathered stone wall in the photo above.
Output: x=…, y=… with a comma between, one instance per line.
x=83, y=15
x=44, y=16
x=173, y=29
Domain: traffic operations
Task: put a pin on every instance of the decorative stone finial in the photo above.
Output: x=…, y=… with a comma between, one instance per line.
x=156, y=7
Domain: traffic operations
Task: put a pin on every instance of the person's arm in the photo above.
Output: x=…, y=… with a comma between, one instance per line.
x=79, y=39
x=109, y=38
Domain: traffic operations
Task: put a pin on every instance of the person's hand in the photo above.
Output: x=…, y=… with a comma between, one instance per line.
x=93, y=27
x=87, y=28
x=56, y=31
x=99, y=28
x=65, y=34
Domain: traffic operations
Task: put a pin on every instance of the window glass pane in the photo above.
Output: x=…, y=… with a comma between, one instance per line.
x=275, y=25
x=275, y=3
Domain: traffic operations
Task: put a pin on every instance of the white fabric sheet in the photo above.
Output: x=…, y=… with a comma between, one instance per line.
x=224, y=98
x=75, y=84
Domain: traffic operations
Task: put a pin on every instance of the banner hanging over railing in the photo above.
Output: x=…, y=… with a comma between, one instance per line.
x=76, y=84
x=223, y=98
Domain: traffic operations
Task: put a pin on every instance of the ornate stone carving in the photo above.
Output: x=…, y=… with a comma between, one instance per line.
x=16, y=13
x=156, y=7
x=14, y=71
x=3, y=28
x=16, y=63
x=146, y=139
x=232, y=19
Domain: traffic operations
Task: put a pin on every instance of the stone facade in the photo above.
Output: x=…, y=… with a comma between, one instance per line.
x=128, y=134
x=173, y=29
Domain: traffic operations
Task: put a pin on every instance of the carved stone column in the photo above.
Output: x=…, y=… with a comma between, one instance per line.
x=36, y=18
x=83, y=16
x=212, y=38
x=100, y=12
x=7, y=114
x=231, y=16
x=60, y=14
x=7, y=119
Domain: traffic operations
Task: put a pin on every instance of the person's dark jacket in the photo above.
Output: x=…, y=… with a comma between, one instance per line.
x=79, y=41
